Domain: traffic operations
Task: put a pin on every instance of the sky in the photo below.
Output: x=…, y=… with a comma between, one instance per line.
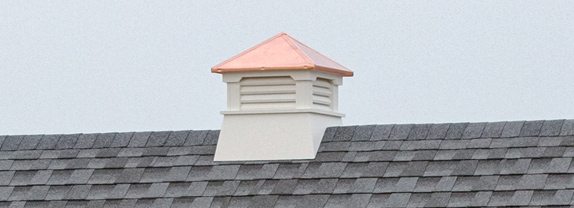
x=114, y=66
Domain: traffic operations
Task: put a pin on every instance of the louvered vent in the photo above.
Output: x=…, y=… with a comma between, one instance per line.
x=322, y=94
x=267, y=93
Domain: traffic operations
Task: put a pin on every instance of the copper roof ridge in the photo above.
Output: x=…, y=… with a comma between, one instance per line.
x=214, y=68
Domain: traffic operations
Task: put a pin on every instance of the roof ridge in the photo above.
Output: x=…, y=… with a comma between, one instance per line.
x=372, y=132
x=247, y=50
x=315, y=51
x=293, y=43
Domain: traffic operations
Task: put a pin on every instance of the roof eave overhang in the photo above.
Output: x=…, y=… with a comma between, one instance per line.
x=329, y=70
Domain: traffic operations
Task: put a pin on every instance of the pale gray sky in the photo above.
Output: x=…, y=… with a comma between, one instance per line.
x=101, y=66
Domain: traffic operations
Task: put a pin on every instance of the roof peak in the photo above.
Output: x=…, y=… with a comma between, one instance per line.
x=281, y=52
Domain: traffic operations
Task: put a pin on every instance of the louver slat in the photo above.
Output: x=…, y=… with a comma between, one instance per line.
x=267, y=92
x=322, y=92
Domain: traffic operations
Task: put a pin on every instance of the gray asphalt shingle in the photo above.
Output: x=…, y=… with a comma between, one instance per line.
x=381, y=132
x=176, y=138
x=432, y=184
x=419, y=131
x=523, y=163
x=139, y=139
x=400, y=131
x=348, y=200
x=11, y=142
x=57, y=192
x=86, y=141
x=324, y=170
x=551, y=197
x=130, y=175
x=48, y=142
x=256, y=171
x=220, y=188
x=359, y=185
x=122, y=140
x=391, y=185
x=344, y=133
x=531, y=128
x=104, y=140
x=512, y=129
x=67, y=141
x=456, y=130
x=196, y=138
x=567, y=128
x=315, y=186
x=329, y=134
x=363, y=133
x=211, y=137
x=29, y=142
x=157, y=138
x=493, y=129
x=473, y=130
x=551, y=127
x=78, y=192
x=438, y=131
x=365, y=169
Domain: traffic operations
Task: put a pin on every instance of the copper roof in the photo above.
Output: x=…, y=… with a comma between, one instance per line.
x=281, y=52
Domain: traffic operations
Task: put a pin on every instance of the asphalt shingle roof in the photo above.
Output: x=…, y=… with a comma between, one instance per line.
x=519, y=163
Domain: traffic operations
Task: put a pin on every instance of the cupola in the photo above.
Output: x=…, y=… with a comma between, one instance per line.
x=281, y=96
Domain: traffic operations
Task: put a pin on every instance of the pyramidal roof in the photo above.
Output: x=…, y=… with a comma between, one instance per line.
x=281, y=52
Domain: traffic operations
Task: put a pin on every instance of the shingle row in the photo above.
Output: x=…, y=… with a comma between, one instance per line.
x=428, y=155
x=345, y=133
x=107, y=140
x=207, y=150
x=435, y=144
x=83, y=187
x=342, y=151
x=96, y=171
x=19, y=161
x=451, y=131
x=442, y=199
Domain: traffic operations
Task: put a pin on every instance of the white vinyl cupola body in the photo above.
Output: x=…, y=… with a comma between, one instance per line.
x=281, y=96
